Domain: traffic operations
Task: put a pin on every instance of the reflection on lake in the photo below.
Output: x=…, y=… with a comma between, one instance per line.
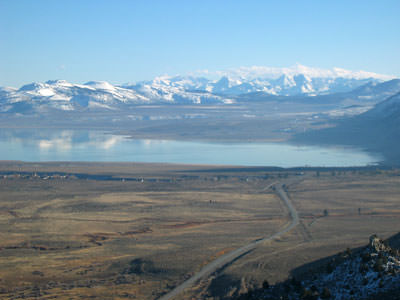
x=84, y=145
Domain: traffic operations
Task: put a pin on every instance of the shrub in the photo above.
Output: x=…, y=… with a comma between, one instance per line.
x=265, y=285
x=365, y=281
x=329, y=268
x=366, y=257
x=363, y=268
x=326, y=293
x=379, y=265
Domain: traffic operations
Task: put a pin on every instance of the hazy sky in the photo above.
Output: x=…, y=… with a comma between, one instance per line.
x=124, y=41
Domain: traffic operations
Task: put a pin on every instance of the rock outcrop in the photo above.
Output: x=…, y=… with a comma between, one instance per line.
x=372, y=272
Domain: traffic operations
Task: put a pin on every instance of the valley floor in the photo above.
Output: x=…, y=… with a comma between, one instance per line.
x=133, y=231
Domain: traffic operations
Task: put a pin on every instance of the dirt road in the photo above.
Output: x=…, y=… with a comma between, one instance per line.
x=231, y=256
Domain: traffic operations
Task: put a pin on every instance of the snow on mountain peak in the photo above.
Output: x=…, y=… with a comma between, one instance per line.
x=254, y=72
x=338, y=72
x=101, y=85
x=59, y=82
x=210, y=87
x=31, y=86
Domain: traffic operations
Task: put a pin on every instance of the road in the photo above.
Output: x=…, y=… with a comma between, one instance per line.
x=231, y=256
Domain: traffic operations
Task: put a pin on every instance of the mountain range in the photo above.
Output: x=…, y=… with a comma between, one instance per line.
x=225, y=87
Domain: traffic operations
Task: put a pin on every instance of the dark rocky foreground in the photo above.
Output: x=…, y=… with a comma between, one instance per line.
x=370, y=272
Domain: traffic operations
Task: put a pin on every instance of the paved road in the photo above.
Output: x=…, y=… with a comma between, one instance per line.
x=231, y=256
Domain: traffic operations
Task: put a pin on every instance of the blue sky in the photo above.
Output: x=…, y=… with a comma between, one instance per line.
x=125, y=41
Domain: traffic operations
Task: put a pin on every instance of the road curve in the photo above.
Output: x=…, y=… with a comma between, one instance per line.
x=231, y=256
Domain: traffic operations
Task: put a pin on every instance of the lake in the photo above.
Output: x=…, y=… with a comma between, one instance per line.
x=84, y=145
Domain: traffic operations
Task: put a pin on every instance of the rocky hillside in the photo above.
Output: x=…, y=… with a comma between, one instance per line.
x=372, y=272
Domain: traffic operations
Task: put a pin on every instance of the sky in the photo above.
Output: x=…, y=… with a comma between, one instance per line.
x=124, y=41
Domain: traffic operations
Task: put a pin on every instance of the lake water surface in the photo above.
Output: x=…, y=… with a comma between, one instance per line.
x=84, y=145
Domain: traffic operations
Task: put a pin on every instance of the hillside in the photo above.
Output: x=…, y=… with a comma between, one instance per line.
x=377, y=130
x=370, y=272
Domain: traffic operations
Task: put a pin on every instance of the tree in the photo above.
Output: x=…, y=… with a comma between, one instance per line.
x=326, y=213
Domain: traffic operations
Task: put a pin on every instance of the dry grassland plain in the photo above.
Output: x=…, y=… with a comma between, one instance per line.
x=133, y=231
x=341, y=194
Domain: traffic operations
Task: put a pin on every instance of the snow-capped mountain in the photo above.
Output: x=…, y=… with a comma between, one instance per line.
x=177, y=90
x=62, y=95
x=295, y=80
x=298, y=69
x=221, y=87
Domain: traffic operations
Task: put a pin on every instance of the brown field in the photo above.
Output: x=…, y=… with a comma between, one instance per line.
x=318, y=236
x=144, y=228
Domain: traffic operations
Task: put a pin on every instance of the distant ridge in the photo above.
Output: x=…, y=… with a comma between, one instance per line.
x=228, y=88
x=377, y=130
x=253, y=72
